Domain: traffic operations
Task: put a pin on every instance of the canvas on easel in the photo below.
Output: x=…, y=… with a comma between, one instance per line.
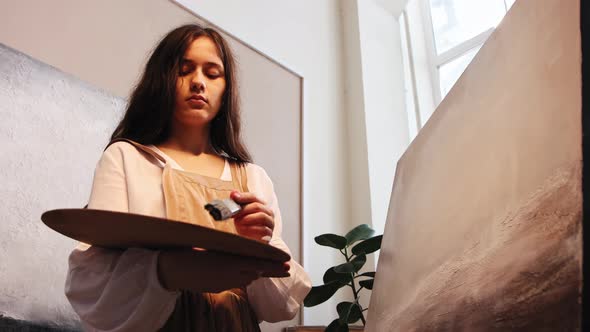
x=484, y=231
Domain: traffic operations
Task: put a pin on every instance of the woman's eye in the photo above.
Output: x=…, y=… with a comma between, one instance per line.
x=214, y=73
x=185, y=70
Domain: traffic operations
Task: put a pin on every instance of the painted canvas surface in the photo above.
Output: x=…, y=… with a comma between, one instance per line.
x=484, y=227
x=45, y=165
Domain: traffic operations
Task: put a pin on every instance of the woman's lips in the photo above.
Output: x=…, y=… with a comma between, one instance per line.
x=197, y=103
x=198, y=97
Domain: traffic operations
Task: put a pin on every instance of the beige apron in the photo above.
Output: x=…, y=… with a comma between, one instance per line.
x=185, y=195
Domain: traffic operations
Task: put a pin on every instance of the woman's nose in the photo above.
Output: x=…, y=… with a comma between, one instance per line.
x=198, y=83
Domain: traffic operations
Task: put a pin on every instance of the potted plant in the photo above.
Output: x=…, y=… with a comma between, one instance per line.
x=354, y=246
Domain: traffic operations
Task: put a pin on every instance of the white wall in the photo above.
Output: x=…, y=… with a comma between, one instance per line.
x=375, y=94
x=384, y=93
x=358, y=162
x=395, y=7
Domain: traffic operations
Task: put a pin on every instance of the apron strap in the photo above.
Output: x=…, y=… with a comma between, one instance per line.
x=238, y=176
x=141, y=148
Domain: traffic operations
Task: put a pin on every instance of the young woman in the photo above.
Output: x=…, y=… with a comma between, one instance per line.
x=178, y=147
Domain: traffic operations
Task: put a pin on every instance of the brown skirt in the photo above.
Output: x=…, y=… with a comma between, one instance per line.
x=228, y=311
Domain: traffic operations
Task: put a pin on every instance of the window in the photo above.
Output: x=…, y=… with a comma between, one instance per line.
x=452, y=32
x=449, y=72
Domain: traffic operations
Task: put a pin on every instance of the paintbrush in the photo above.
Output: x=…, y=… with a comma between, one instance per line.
x=222, y=209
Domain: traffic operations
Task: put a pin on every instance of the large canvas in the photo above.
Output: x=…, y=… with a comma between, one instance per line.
x=484, y=228
x=53, y=130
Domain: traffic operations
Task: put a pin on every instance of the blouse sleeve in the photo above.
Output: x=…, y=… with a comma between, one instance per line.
x=116, y=290
x=276, y=299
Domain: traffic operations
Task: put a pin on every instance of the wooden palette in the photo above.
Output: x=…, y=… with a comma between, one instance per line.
x=126, y=230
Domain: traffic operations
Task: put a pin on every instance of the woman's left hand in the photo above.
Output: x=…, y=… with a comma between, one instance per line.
x=256, y=220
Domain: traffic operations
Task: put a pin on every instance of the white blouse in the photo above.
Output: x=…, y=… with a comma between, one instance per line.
x=113, y=290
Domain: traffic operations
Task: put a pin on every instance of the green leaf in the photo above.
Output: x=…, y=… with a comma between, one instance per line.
x=358, y=233
x=344, y=268
x=320, y=294
x=368, y=246
x=368, y=284
x=337, y=326
x=331, y=276
x=367, y=274
x=331, y=240
x=348, y=312
x=358, y=262
x=353, y=266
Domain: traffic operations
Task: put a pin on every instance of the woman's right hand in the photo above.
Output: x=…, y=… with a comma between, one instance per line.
x=212, y=272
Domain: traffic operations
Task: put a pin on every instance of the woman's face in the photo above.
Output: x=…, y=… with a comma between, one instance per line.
x=200, y=85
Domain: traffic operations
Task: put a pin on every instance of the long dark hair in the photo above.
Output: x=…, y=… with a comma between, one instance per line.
x=148, y=117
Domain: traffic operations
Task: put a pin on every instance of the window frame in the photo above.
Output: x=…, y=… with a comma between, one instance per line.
x=435, y=60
